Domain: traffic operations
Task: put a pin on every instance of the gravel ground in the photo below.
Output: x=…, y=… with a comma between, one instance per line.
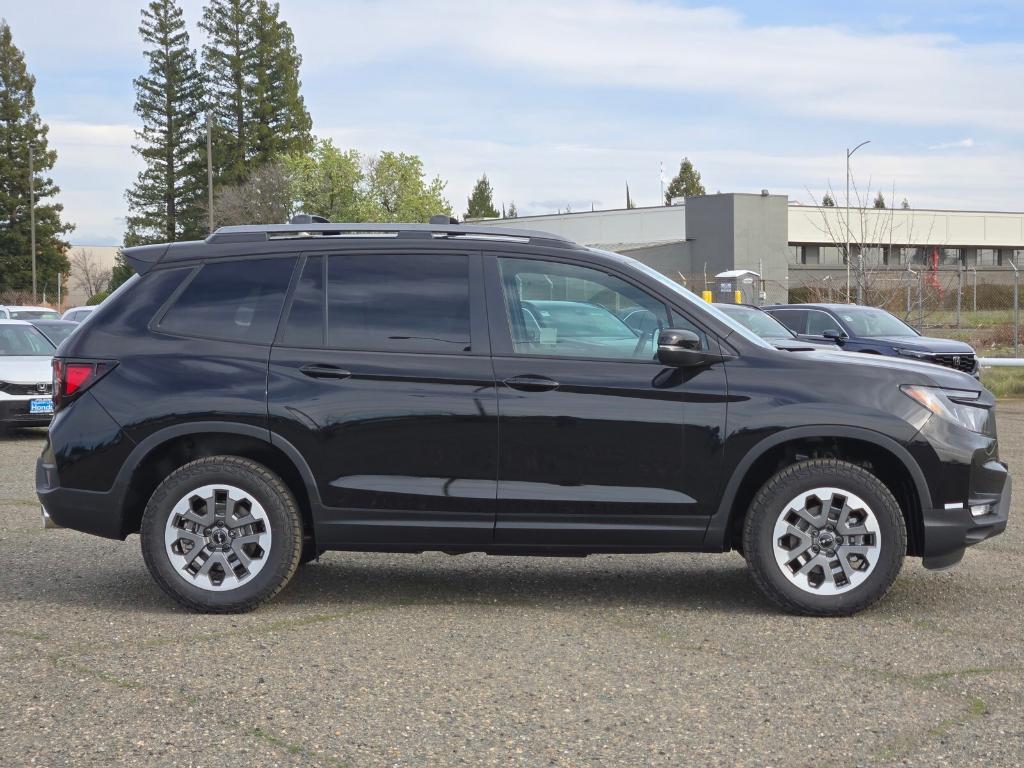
x=430, y=660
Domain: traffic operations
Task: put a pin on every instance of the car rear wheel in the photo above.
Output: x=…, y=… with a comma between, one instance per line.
x=222, y=534
x=824, y=537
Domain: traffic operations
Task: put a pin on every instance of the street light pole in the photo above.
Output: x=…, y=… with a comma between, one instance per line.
x=860, y=257
x=209, y=170
x=32, y=219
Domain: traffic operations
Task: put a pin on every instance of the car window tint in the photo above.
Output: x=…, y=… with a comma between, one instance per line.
x=305, y=324
x=565, y=310
x=399, y=302
x=818, y=322
x=794, y=319
x=237, y=300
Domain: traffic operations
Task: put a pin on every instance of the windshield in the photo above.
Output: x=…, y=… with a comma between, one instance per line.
x=577, y=319
x=698, y=305
x=23, y=340
x=868, y=321
x=34, y=314
x=761, y=323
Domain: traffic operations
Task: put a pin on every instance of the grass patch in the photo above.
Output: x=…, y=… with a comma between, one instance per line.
x=1004, y=382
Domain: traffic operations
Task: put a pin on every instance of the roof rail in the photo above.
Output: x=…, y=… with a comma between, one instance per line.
x=263, y=232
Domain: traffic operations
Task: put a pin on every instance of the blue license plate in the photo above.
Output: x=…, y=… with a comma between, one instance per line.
x=40, y=406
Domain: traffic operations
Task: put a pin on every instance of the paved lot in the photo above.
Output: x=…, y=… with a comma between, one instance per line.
x=380, y=660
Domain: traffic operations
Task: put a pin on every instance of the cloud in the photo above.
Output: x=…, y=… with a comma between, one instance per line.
x=962, y=144
x=818, y=70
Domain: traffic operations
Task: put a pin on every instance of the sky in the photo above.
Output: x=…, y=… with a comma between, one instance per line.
x=565, y=102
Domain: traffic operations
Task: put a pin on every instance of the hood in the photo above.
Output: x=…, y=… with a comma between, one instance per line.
x=927, y=344
x=25, y=369
x=914, y=372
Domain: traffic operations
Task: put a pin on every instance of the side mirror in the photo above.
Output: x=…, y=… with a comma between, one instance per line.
x=837, y=336
x=681, y=349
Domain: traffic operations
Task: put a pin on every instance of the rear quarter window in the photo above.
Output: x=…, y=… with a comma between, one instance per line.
x=235, y=300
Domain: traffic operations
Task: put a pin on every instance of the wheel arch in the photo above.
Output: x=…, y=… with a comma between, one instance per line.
x=164, y=451
x=889, y=461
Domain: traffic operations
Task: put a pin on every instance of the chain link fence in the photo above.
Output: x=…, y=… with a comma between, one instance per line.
x=981, y=307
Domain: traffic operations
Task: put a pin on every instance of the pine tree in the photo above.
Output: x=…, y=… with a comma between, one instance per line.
x=630, y=203
x=120, y=272
x=827, y=201
x=251, y=66
x=685, y=184
x=512, y=212
x=227, y=67
x=166, y=201
x=879, y=201
x=281, y=124
x=905, y=205
x=20, y=128
x=480, y=204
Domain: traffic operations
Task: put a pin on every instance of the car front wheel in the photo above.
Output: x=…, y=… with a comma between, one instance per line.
x=824, y=537
x=222, y=534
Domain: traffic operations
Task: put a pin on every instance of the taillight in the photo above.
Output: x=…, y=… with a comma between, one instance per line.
x=71, y=378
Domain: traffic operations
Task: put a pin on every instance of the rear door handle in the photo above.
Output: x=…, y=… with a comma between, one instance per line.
x=324, y=372
x=531, y=383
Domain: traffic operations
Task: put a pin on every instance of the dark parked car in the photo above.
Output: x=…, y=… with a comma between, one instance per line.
x=55, y=330
x=251, y=400
x=770, y=329
x=867, y=329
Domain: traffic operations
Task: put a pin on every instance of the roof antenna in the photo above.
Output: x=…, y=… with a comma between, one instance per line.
x=442, y=219
x=307, y=218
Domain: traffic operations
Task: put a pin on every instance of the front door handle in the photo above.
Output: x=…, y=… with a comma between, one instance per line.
x=531, y=383
x=324, y=372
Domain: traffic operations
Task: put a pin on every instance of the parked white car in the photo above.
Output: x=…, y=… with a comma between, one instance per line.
x=28, y=313
x=26, y=388
x=77, y=314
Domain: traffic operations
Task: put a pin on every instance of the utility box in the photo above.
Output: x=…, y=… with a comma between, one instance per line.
x=738, y=286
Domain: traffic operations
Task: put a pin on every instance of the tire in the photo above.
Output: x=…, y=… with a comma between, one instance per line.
x=249, y=549
x=844, y=518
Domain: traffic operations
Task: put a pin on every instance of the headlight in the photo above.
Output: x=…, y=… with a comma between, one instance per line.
x=956, y=405
x=915, y=353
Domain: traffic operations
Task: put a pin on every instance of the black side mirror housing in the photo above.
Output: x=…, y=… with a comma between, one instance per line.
x=681, y=349
x=837, y=336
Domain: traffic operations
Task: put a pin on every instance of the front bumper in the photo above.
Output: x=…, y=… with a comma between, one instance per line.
x=949, y=531
x=14, y=413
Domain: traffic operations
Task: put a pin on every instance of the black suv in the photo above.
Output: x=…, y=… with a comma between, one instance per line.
x=247, y=402
x=856, y=328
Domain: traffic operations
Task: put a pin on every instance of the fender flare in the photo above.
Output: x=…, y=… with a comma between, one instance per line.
x=718, y=525
x=153, y=441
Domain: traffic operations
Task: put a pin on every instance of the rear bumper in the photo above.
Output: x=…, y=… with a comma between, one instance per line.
x=95, y=512
x=948, y=532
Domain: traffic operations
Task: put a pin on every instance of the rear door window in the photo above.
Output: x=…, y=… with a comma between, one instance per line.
x=234, y=300
x=399, y=302
x=794, y=319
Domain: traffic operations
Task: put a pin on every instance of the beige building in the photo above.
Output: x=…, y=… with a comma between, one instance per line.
x=89, y=263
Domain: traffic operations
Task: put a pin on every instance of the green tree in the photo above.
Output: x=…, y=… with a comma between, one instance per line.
x=251, y=66
x=20, y=128
x=395, y=189
x=327, y=181
x=685, y=184
x=905, y=205
x=227, y=67
x=512, y=212
x=120, y=272
x=879, y=201
x=480, y=204
x=630, y=203
x=827, y=201
x=166, y=200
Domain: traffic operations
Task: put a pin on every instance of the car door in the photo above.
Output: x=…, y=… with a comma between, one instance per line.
x=381, y=377
x=594, y=446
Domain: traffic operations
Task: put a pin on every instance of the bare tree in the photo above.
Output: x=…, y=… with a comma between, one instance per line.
x=87, y=274
x=264, y=198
